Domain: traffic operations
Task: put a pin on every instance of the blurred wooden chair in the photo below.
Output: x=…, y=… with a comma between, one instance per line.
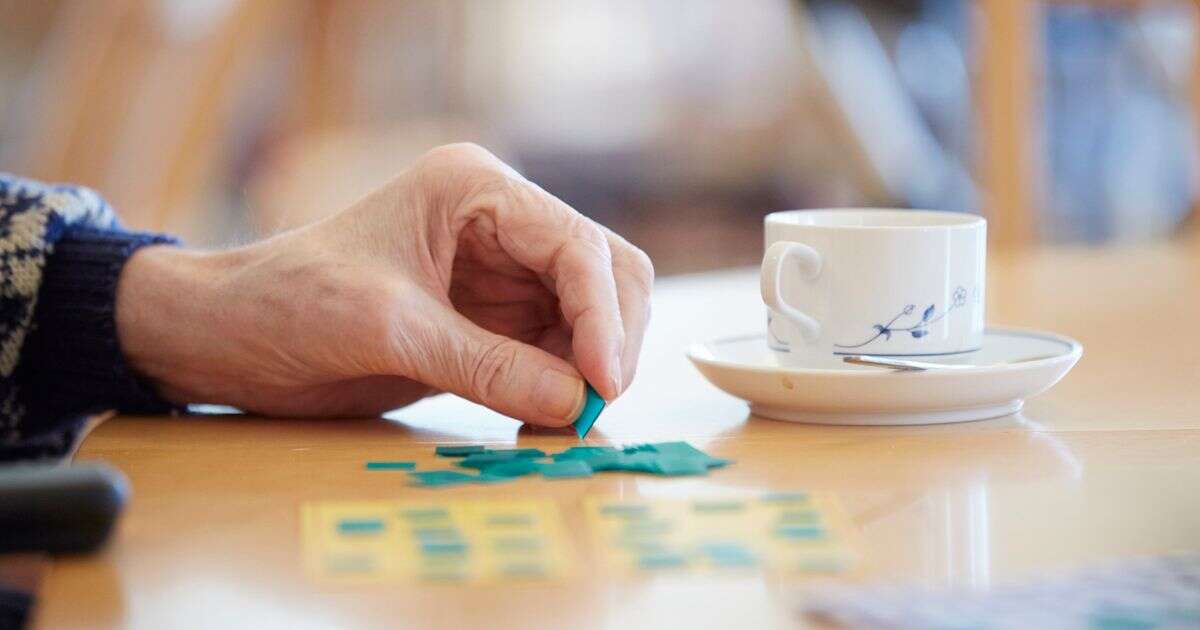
x=1008, y=35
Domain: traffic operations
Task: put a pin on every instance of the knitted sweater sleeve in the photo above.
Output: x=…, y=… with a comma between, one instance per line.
x=61, y=254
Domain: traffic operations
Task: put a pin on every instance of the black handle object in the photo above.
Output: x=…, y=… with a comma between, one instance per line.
x=59, y=509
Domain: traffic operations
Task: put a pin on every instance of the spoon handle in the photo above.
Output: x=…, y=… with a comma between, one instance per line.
x=898, y=364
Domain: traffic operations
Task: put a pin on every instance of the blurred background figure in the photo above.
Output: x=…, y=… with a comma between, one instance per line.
x=676, y=122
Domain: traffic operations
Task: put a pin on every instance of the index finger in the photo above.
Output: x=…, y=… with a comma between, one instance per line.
x=551, y=239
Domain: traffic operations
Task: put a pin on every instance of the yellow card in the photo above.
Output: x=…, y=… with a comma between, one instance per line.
x=782, y=533
x=432, y=541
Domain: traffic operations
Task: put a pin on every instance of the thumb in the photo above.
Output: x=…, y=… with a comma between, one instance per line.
x=452, y=353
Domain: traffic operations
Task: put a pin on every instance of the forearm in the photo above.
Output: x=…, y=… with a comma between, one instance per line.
x=70, y=363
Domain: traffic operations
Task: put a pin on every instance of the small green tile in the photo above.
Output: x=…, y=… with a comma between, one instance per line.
x=509, y=520
x=483, y=460
x=516, y=467
x=591, y=410
x=800, y=517
x=727, y=554
x=533, y=453
x=584, y=452
x=637, y=462
x=453, y=548
x=680, y=466
x=391, y=465
x=799, y=532
x=566, y=470
x=523, y=570
x=625, y=510
x=784, y=497
x=661, y=560
x=709, y=507
x=518, y=544
x=360, y=526
x=453, y=450
x=434, y=478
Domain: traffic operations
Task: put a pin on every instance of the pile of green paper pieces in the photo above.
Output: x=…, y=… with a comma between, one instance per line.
x=499, y=465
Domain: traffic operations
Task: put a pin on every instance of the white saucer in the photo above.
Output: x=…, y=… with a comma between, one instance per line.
x=1012, y=365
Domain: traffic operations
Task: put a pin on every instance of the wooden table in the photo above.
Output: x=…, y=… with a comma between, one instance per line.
x=1104, y=466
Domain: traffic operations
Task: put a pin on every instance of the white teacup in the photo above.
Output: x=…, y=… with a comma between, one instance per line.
x=873, y=281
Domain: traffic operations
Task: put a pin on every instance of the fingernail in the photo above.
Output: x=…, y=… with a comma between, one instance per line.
x=614, y=376
x=559, y=395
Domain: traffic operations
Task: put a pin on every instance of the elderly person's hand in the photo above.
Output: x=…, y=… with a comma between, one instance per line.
x=458, y=276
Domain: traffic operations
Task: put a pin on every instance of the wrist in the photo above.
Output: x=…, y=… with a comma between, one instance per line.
x=167, y=314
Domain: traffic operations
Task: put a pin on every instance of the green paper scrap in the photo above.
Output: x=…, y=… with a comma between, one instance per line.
x=496, y=456
x=637, y=462
x=483, y=477
x=625, y=510
x=510, y=520
x=591, y=410
x=483, y=460
x=584, y=452
x=709, y=507
x=800, y=517
x=568, y=469
x=391, y=465
x=534, y=453
x=437, y=478
x=360, y=526
x=512, y=468
x=729, y=554
x=517, y=544
x=449, y=548
x=680, y=466
x=663, y=560
x=500, y=465
x=452, y=450
x=784, y=497
x=683, y=449
x=799, y=532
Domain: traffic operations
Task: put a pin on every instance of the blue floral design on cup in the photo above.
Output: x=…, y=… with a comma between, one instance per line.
x=918, y=329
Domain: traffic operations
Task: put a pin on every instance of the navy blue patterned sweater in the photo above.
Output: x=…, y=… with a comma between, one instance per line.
x=61, y=253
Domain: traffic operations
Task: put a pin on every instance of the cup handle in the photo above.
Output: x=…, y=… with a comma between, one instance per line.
x=808, y=262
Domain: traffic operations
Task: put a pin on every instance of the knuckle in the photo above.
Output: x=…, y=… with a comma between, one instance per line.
x=459, y=152
x=591, y=237
x=492, y=369
x=642, y=269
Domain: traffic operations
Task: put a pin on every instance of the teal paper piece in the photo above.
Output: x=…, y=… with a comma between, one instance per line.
x=533, y=453
x=663, y=560
x=460, y=450
x=440, y=477
x=799, y=532
x=709, y=507
x=512, y=468
x=683, y=449
x=729, y=554
x=360, y=526
x=680, y=466
x=483, y=460
x=784, y=497
x=391, y=465
x=584, y=452
x=591, y=410
x=568, y=469
x=637, y=462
